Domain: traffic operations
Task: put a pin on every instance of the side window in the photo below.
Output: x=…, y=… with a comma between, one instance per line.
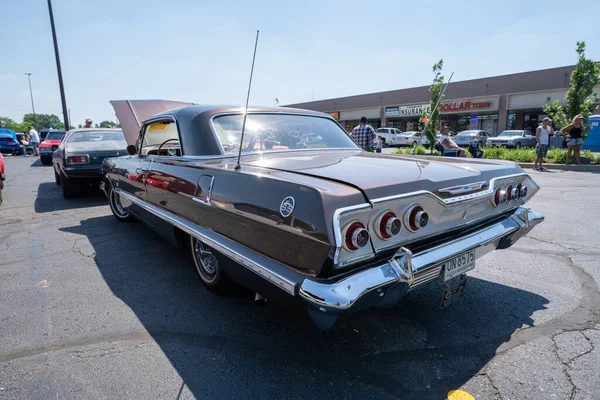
x=160, y=138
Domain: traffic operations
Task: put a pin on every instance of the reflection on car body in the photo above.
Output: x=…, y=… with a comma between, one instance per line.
x=333, y=227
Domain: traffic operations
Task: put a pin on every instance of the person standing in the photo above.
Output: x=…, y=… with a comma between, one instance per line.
x=35, y=141
x=542, y=135
x=377, y=144
x=88, y=123
x=364, y=135
x=575, y=136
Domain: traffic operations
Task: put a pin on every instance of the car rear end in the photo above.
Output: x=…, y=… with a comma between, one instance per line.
x=8, y=145
x=404, y=139
x=464, y=139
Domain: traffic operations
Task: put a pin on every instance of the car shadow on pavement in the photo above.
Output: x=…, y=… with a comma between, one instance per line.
x=228, y=347
x=38, y=163
x=49, y=199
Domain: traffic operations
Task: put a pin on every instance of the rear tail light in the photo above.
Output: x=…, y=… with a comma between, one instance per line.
x=10, y=141
x=356, y=236
x=78, y=160
x=473, y=137
x=416, y=218
x=509, y=193
x=387, y=225
x=523, y=192
x=500, y=197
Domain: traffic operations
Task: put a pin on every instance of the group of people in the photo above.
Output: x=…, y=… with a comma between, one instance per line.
x=31, y=139
x=364, y=135
x=572, y=132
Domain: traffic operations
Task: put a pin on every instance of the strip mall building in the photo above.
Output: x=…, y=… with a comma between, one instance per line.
x=493, y=104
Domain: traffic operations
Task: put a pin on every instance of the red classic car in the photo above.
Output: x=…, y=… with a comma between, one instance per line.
x=50, y=143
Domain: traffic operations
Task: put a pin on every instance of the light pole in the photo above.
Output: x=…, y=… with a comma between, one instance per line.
x=31, y=94
x=58, y=69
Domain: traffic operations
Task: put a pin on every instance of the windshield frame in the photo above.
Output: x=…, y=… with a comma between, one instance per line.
x=224, y=154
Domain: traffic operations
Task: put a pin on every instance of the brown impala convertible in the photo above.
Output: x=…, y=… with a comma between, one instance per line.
x=309, y=216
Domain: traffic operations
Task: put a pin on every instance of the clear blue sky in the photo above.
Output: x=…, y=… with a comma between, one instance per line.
x=191, y=50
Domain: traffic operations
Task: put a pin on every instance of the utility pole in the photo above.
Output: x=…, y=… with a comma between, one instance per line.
x=70, y=116
x=32, y=105
x=58, y=69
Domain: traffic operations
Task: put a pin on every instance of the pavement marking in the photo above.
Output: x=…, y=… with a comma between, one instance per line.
x=42, y=284
x=459, y=395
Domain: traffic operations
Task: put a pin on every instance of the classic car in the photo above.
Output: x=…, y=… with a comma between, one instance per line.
x=2, y=176
x=513, y=138
x=9, y=144
x=50, y=143
x=478, y=138
x=335, y=228
x=78, y=158
x=387, y=135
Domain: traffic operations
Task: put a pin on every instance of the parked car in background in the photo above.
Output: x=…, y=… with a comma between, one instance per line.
x=334, y=228
x=50, y=143
x=513, y=138
x=78, y=158
x=477, y=137
x=409, y=138
x=9, y=143
x=388, y=134
x=2, y=176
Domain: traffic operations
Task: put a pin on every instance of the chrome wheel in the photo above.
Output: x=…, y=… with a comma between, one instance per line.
x=206, y=262
x=117, y=208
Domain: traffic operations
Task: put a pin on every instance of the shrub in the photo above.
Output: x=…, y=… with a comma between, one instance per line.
x=501, y=153
x=420, y=150
x=557, y=156
x=588, y=154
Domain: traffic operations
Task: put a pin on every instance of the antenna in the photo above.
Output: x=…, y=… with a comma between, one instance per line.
x=435, y=108
x=238, y=166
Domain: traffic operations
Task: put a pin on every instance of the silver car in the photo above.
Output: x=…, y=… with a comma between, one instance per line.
x=410, y=138
x=465, y=138
x=513, y=138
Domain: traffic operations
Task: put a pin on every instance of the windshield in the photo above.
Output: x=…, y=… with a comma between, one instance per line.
x=273, y=132
x=511, y=133
x=55, y=136
x=467, y=133
x=97, y=136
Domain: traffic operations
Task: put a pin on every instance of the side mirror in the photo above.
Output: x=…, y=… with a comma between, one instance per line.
x=131, y=150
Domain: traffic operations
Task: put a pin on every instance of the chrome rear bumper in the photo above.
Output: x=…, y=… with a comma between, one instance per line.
x=385, y=284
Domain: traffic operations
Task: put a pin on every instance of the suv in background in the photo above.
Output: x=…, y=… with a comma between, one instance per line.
x=387, y=135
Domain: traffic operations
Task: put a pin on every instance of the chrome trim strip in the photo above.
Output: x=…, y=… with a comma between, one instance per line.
x=452, y=200
x=255, y=262
x=469, y=187
x=209, y=195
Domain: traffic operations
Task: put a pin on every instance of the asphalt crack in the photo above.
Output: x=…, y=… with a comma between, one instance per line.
x=489, y=378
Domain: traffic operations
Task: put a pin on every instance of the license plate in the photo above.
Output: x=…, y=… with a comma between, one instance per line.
x=453, y=293
x=459, y=265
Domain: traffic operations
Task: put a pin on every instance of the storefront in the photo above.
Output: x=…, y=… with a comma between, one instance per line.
x=460, y=115
x=350, y=119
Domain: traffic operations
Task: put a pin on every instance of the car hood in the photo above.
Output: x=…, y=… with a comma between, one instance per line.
x=50, y=143
x=101, y=145
x=380, y=176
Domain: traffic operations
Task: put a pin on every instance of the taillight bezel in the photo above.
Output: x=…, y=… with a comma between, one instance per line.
x=387, y=225
x=353, y=236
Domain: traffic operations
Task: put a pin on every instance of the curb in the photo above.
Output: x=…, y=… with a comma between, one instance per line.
x=579, y=168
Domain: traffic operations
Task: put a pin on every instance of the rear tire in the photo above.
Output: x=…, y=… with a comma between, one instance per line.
x=0, y=196
x=70, y=189
x=117, y=209
x=518, y=145
x=209, y=265
x=414, y=145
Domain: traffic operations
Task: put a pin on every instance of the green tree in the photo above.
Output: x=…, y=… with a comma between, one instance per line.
x=43, y=121
x=107, y=124
x=435, y=92
x=580, y=95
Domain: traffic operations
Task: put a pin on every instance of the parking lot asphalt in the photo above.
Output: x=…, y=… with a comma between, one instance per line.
x=93, y=308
